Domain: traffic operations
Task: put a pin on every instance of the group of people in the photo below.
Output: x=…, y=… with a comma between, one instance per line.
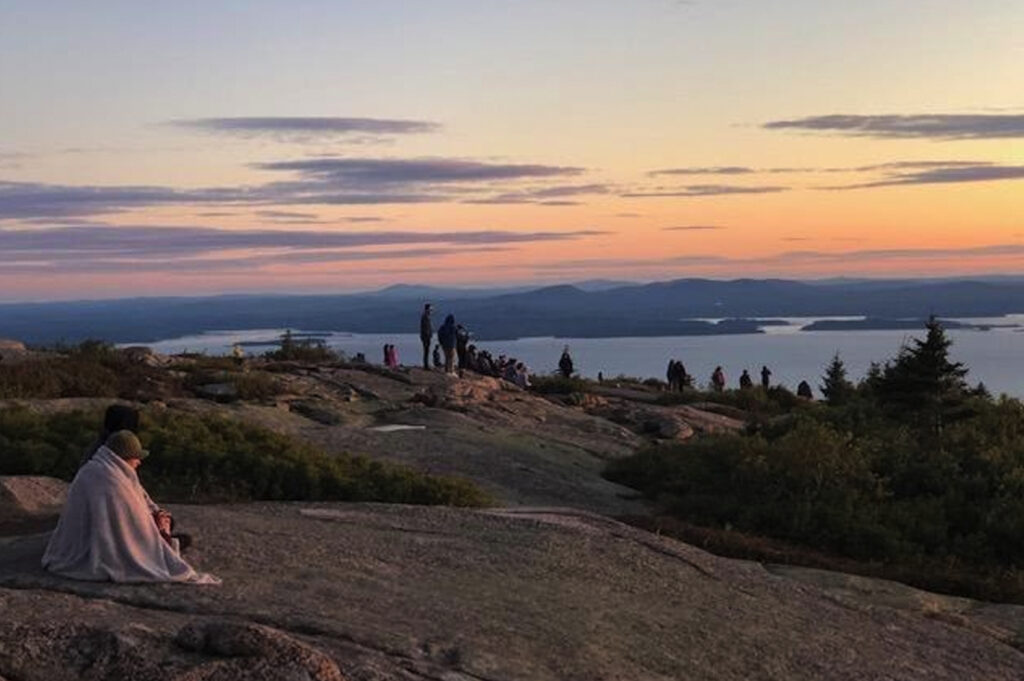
x=454, y=354
x=678, y=379
x=110, y=529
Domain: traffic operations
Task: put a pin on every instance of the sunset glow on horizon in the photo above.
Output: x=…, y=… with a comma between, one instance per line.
x=203, y=148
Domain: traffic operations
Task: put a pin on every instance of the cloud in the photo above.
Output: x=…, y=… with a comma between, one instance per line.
x=145, y=245
x=789, y=259
x=378, y=172
x=929, y=126
x=547, y=196
x=325, y=181
x=716, y=170
x=704, y=190
x=944, y=175
x=308, y=128
x=691, y=228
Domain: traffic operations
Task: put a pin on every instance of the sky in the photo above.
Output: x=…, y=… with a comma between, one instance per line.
x=195, y=148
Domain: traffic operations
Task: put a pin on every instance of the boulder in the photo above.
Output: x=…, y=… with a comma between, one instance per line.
x=12, y=345
x=28, y=495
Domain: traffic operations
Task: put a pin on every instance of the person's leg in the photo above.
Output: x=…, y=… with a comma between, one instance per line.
x=449, y=360
x=426, y=353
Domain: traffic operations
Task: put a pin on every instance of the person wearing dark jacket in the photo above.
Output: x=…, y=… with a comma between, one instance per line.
x=766, y=377
x=446, y=336
x=461, y=343
x=117, y=417
x=426, y=334
x=746, y=383
x=565, y=365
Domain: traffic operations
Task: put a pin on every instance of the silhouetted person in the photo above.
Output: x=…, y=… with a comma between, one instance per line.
x=426, y=334
x=766, y=377
x=565, y=366
x=746, y=383
x=117, y=417
x=718, y=380
x=804, y=390
x=670, y=375
x=446, y=337
x=387, y=355
x=461, y=343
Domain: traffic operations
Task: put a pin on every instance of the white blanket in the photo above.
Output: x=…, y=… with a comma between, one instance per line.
x=107, y=532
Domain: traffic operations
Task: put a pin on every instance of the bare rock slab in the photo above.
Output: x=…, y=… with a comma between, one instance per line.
x=390, y=592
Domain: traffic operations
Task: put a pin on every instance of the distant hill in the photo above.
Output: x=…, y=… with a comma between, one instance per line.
x=662, y=308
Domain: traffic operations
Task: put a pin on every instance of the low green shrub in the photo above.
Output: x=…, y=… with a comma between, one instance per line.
x=559, y=385
x=208, y=458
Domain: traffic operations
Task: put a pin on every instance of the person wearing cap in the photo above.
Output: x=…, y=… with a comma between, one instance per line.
x=107, y=530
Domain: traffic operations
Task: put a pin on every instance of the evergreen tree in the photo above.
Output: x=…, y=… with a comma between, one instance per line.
x=921, y=383
x=836, y=387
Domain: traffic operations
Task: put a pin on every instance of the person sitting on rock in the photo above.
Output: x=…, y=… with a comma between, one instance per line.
x=108, y=530
x=436, y=355
x=804, y=390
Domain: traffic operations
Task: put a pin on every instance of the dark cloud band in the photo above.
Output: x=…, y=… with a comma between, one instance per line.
x=933, y=126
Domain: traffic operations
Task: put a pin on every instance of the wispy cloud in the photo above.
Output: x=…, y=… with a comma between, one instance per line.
x=425, y=171
x=944, y=175
x=308, y=128
x=931, y=126
x=804, y=258
x=145, y=247
x=692, y=228
x=320, y=181
x=704, y=190
x=548, y=196
x=714, y=170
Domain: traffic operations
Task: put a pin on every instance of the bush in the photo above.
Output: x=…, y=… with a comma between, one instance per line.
x=558, y=385
x=203, y=459
x=91, y=369
x=302, y=350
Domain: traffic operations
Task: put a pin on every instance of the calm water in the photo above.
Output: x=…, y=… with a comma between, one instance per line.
x=995, y=356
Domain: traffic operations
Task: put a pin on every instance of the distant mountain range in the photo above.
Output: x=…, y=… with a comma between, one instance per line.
x=593, y=309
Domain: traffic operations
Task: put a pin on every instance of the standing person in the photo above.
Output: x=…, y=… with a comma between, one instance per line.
x=766, y=377
x=565, y=366
x=426, y=334
x=746, y=383
x=718, y=380
x=461, y=343
x=387, y=355
x=446, y=337
x=670, y=375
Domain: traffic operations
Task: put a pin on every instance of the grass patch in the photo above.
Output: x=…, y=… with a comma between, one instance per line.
x=559, y=385
x=212, y=459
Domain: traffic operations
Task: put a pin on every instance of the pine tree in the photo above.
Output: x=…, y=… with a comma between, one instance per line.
x=836, y=387
x=921, y=382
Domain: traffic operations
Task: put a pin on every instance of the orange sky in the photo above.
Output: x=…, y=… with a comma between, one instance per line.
x=341, y=147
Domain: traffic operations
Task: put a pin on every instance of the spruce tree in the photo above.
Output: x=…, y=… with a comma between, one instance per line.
x=921, y=383
x=836, y=387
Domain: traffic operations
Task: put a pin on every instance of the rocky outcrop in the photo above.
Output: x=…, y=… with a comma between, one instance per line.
x=387, y=592
x=22, y=495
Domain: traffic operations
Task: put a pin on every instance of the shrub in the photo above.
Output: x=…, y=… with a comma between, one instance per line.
x=202, y=459
x=558, y=385
x=91, y=369
x=302, y=350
